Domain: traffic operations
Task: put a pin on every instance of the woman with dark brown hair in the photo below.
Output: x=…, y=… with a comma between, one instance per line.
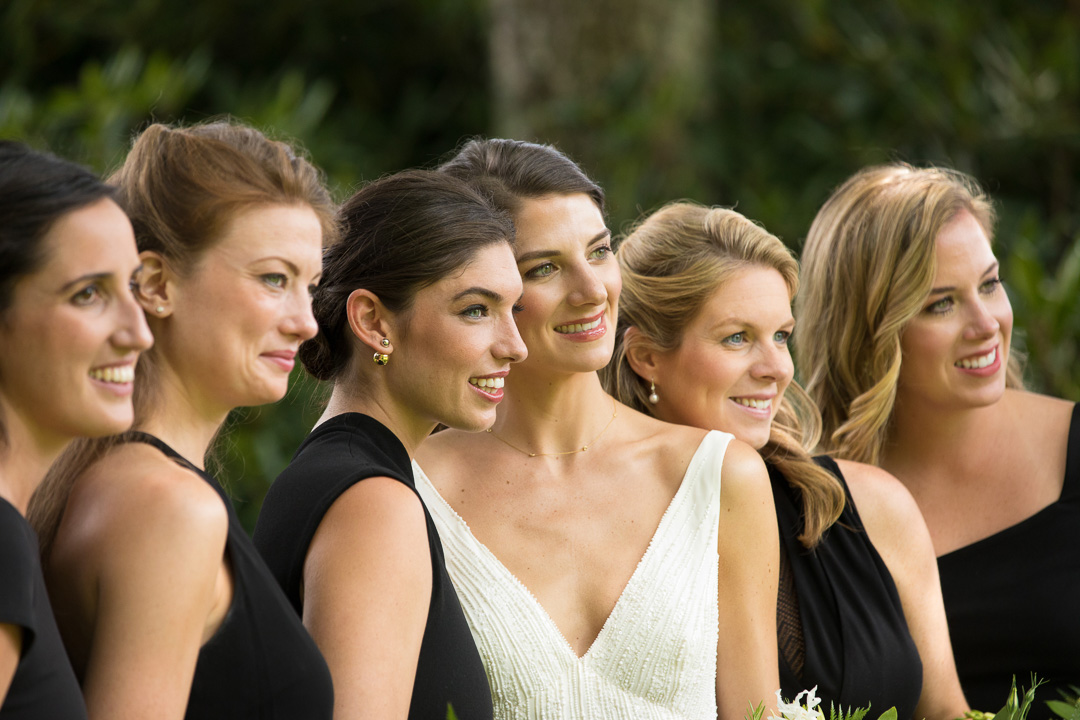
x=416, y=328
x=604, y=568
x=164, y=604
x=71, y=333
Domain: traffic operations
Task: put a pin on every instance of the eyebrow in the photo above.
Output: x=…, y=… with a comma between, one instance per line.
x=84, y=278
x=951, y=288
x=481, y=291
x=538, y=254
x=292, y=266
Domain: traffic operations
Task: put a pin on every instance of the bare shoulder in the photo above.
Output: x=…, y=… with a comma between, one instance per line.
x=380, y=500
x=674, y=444
x=136, y=497
x=878, y=494
x=891, y=518
x=442, y=451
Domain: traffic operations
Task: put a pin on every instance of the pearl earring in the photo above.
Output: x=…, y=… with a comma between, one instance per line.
x=653, y=397
x=159, y=309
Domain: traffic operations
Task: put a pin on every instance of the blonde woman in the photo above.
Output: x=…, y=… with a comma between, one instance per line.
x=703, y=341
x=905, y=343
x=610, y=565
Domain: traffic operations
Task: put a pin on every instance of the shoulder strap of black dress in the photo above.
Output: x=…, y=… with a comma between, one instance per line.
x=139, y=436
x=1070, y=490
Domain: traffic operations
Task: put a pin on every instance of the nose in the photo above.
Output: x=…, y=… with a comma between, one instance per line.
x=509, y=345
x=982, y=323
x=589, y=288
x=773, y=363
x=132, y=332
x=299, y=319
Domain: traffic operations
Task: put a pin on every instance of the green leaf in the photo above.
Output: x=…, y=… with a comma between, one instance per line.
x=889, y=714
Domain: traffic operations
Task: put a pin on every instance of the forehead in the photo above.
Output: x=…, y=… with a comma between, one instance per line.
x=554, y=220
x=289, y=231
x=491, y=268
x=750, y=294
x=93, y=239
x=961, y=248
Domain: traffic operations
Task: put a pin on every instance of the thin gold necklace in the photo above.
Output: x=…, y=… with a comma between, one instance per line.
x=614, y=413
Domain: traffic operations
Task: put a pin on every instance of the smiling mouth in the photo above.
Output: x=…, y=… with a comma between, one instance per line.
x=487, y=383
x=579, y=327
x=754, y=403
x=979, y=362
x=119, y=374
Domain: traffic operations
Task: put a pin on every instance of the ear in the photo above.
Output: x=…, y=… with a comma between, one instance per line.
x=369, y=320
x=157, y=284
x=643, y=358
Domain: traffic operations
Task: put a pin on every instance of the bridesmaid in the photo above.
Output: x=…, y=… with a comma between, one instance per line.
x=416, y=328
x=907, y=350
x=165, y=606
x=703, y=340
x=71, y=332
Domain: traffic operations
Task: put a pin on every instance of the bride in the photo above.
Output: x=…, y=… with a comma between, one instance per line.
x=604, y=568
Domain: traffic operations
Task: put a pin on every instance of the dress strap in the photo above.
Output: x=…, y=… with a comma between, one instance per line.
x=139, y=436
x=1070, y=490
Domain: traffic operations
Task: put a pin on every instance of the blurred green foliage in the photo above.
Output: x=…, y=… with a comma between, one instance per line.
x=799, y=94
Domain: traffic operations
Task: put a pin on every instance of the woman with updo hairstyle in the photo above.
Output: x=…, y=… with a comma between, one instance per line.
x=905, y=343
x=605, y=569
x=71, y=333
x=164, y=604
x=416, y=329
x=703, y=341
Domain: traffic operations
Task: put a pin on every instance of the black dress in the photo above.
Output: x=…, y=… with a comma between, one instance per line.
x=1013, y=599
x=338, y=454
x=839, y=619
x=261, y=663
x=44, y=685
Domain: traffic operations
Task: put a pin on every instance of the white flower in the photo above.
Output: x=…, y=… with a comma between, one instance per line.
x=795, y=710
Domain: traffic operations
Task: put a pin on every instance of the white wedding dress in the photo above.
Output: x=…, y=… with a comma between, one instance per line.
x=655, y=657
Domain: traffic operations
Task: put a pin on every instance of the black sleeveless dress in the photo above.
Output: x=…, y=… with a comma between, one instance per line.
x=261, y=663
x=44, y=685
x=840, y=623
x=1013, y=599
x=341, y=452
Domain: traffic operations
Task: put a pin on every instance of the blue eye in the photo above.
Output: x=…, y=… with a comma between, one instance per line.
x=781, y=337
x=736, y=339
x=86, y=296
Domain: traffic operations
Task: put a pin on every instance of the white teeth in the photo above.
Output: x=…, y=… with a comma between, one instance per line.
x=752, y=403
x=115, y=374
x=980, y=362
x=578, y=327
x=489, y=382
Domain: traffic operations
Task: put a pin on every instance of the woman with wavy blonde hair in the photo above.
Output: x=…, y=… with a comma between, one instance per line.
x=905, y=344
x=702, y=340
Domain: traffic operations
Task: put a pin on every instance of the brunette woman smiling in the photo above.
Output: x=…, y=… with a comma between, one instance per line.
x=416, y=328
x=164, y=604
x=71, y=332
x=604, y=568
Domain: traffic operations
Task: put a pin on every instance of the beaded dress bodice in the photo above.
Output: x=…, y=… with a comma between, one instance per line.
x=654, y=658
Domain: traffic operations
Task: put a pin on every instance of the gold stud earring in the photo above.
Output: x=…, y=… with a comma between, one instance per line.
x=385, y=342
x=381, y=359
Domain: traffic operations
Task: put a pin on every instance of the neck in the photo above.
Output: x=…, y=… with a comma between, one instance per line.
x=407, y=427
x=182, y=422
x=923, y=438
x=22, y=470
x=553, y=414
